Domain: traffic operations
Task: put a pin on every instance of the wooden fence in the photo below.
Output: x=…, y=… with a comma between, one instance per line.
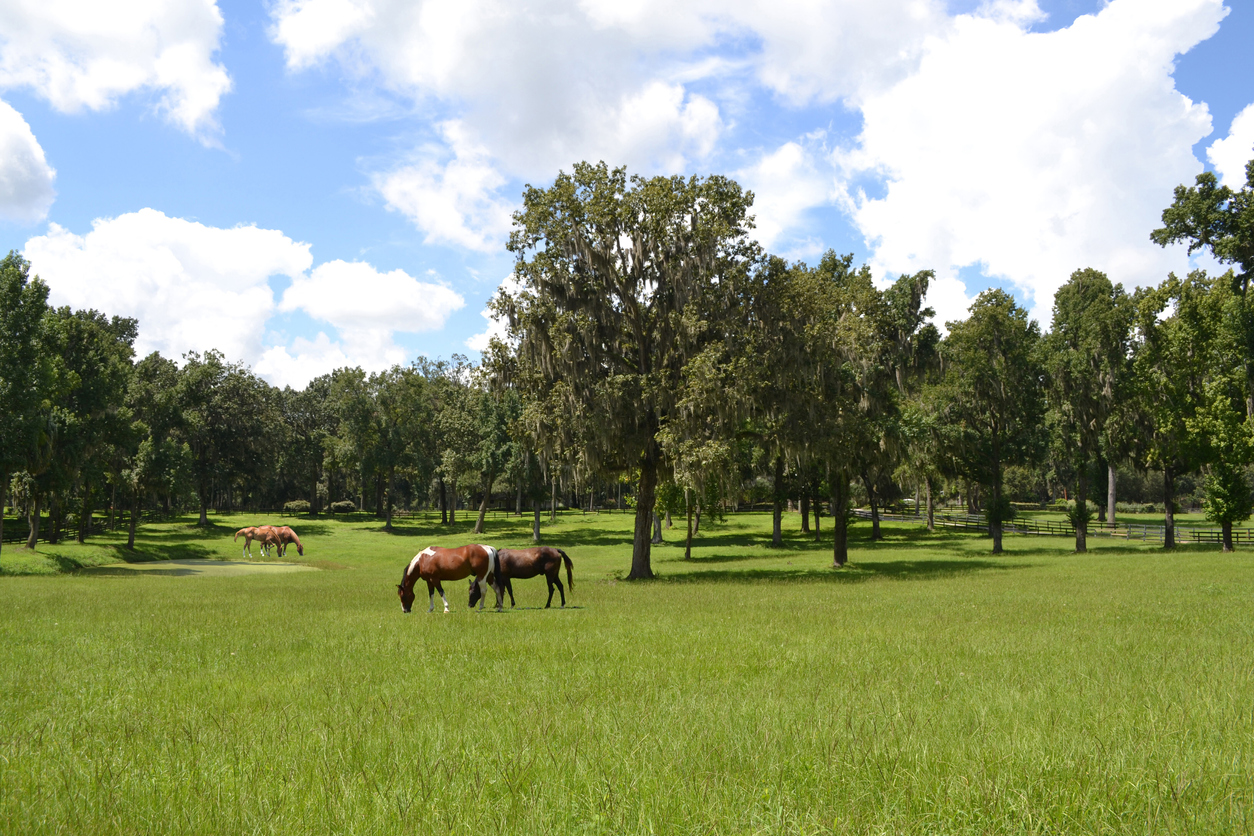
x=1064, y=528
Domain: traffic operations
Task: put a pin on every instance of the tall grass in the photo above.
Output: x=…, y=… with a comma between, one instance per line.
x=927, y=688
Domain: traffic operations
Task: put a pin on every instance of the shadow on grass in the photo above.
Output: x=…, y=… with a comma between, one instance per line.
x=862, y=570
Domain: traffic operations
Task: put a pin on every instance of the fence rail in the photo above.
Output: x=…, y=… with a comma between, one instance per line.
x=1063, y=528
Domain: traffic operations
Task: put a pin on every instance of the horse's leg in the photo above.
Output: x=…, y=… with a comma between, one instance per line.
x=440, y=589
x=549, y=602
x=509, y=587
x=557, y=579
x=483, y=592
x=431, y=595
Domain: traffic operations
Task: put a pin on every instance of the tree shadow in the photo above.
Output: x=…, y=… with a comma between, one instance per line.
x=857, y=572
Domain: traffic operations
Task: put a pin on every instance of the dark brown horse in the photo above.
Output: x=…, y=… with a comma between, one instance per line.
x=434, y=565
x=527, y=563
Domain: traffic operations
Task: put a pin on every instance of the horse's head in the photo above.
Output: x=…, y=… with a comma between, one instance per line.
x=475, y=593
x=406, y=595
x=300, y=550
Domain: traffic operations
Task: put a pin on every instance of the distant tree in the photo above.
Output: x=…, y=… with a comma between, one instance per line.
x=616, y=276
x=1219, y=219
x=1170, y=364
x=1085, y=358
x=26, y=371
x=992, y=391
x=156, y=460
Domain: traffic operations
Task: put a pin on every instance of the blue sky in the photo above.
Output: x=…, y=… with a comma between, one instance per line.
x=304, y=184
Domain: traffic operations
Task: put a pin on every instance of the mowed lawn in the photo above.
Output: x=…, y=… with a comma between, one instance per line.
x=929, y=687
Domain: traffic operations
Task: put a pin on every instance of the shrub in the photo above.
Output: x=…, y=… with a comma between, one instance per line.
x=296, y=506
x=344, y=506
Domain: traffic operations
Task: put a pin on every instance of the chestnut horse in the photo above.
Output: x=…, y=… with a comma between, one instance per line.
x=286, y=538
x=249, y=533
x=265, y=535
x=527, y=563
x=434, y=565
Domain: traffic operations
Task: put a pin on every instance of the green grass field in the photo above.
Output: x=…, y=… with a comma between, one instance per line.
x=927, y=688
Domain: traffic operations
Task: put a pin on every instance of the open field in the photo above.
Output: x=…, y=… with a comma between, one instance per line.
x=927, y=688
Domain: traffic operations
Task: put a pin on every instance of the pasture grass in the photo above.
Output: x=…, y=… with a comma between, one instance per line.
x=927, y=688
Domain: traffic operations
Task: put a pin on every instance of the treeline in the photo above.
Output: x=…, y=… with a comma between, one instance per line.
x=656, y=357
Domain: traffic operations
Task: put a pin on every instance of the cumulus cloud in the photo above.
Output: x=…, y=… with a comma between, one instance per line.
x=1031, y=155
x=450, y=192
x=367, y=307
x=534, y=87
x=86, y=55
x=25, y=176
x=786, y=183
x=192, y=287
x=1230, y=154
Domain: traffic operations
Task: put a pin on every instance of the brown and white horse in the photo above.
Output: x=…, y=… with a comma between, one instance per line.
x=434, y=564
x=527, y=563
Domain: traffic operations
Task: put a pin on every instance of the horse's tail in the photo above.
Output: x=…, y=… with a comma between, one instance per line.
x=237, y=534
x=570, y=580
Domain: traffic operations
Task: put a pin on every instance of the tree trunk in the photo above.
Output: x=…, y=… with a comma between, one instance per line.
x=931, y=512
x=553, y=504
x=1081, y=511
x=113, y=505
x=204, y=505
x=84, y=515
x=646, y=493
x=805, y=513
x=995, y=524
x=313, y=495
x=916, y=498
x=1110, y=494
x=32, y=519
x=814, y=503
x=688, y=514
x=134, y=522
x=777, y=531
x=657, y=530
x=875, y=511
x=4, y=489
x=619, y=494
x=443, y=502
x=452, y=503
x=535, y=521
x=518, y=500
x=387, y=526
x=483, y=506
x=378, y=495
x=669, y=524
x=696, y=518
x=840, y=518
x=1226, y=528
x=1169, y=515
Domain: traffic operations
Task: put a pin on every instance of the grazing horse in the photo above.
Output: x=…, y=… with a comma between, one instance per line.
x=434, y=565
x=527, y=563
x=249, y=533
x=267, y=536
x=286, y=537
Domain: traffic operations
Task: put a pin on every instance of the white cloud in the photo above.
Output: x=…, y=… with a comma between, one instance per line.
x=1230, y=154
x=306, y=359
x=87, y=54
x=1035, y=154
x=367, y=307
x=453, y=200
x=192, y=287
x=535, y=87
x=786, y=183
x=25, y=176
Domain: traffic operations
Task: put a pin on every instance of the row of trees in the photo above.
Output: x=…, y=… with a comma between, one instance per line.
x=652, y=343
